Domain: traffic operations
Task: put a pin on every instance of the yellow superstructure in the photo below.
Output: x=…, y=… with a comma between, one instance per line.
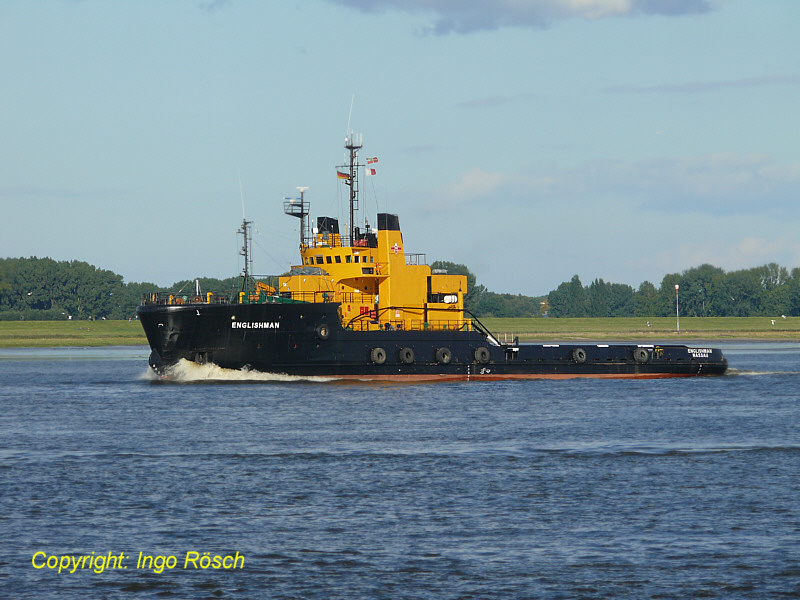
x=378, y=285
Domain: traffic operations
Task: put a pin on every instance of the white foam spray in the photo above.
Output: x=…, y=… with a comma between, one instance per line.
x=742, y=372
x=186, y=371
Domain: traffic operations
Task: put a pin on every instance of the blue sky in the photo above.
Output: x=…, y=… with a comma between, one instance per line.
x=529, y=139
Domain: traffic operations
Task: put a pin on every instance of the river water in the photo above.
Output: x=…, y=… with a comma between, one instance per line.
x=685, y=488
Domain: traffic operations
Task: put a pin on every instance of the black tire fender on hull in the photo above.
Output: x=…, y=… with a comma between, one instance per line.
x=378, y=356
x=482, y=355
x=406, y=356
x=443, y=356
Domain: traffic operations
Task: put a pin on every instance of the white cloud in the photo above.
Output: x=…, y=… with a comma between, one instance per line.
x=476, y=183
x=724, y=182
x=465, y=16
x=693, y=87
x=742, y=183
x=212, y=5
x=744, y=252
x=594, y=9
x=477, y=186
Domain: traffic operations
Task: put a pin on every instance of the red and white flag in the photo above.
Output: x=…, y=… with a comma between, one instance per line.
x=368, y=171
x=372, y=161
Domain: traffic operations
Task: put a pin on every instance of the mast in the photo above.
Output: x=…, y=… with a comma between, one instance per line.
x=244, y=230
x=353, y=143
x=298, y=207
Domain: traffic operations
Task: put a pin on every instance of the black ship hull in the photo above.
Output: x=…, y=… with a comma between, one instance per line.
x=307, y=339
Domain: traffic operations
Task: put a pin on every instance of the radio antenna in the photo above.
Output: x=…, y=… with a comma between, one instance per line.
x=350, y=115
x=241, y=192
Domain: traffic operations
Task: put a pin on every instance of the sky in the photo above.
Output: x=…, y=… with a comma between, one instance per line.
x=531, y=140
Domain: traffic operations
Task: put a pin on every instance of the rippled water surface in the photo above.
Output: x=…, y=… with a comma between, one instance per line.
x=686, y=488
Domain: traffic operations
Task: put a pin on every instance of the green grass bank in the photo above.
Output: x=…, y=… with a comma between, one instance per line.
x=636, y=328
x=17, y=334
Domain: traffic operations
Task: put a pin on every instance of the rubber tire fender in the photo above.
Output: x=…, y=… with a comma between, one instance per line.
x=406, y=356
x=579, y=355
x=482, y=355
x=640, y=355
x=323, y=331
x=378, y=356
x=444, y=356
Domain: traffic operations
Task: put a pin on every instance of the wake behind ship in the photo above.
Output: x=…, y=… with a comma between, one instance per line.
x=358, y=306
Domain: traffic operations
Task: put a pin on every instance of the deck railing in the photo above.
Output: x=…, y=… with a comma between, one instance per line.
x=410, y=325
x=416, y=259
x=175, y=299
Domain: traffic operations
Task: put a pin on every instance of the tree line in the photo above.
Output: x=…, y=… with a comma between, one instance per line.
x=45, y=289
x=704, y=291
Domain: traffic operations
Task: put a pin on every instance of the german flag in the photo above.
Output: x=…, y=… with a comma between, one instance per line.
x=341, y=175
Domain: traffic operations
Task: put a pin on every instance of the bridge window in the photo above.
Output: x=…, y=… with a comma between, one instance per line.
x=338, y=258
x=328, y=259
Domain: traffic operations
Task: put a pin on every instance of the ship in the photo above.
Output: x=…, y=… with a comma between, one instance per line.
x=360, y=307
